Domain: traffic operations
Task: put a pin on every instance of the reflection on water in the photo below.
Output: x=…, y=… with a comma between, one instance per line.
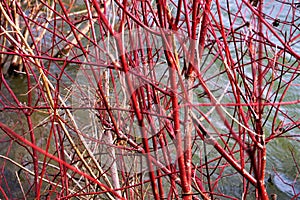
x=18, y=179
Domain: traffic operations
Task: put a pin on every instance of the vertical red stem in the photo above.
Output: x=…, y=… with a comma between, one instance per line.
x=261, y=154
x=176, y=120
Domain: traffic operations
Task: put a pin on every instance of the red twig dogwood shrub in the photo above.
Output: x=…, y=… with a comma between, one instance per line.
x=148, y=99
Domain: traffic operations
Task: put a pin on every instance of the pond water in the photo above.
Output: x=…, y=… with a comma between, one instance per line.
x=282, y=154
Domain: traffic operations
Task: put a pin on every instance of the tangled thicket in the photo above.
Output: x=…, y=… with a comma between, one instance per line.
x=146, y=99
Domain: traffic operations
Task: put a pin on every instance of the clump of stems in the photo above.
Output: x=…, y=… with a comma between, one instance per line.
x=147, y=99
